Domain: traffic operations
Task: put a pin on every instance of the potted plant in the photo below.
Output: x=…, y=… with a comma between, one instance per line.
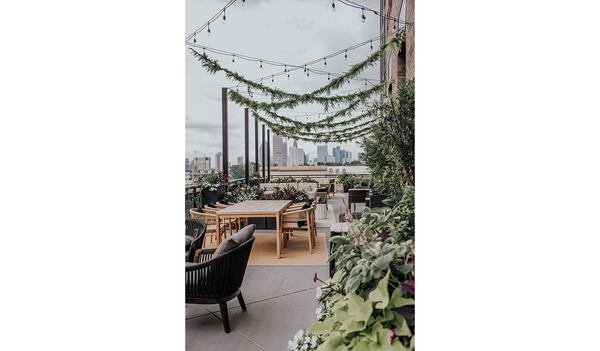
x=348, y=180
x=213, y=187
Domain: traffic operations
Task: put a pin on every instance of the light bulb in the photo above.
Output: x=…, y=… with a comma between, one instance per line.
x=272, y=79
x=208, y=26
x=233, y=58
x=371, y=44
x=328, y=77
x=325, y=58
x=333, y=6
x=346, y=55
x=363, y=18
x=261, y=64
x=224, y=17
x=194, y=38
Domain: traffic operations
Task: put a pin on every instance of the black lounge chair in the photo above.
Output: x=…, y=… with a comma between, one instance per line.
x=216, y=274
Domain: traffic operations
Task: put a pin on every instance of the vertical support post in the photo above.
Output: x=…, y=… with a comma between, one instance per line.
x=268, y=155
x=263, y=153
x=246, y=148
x=255, y=146
x=225, y=133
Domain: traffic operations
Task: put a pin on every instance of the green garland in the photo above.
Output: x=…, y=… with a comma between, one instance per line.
x=212, y=66
x=329, y=136
x=305, y=127
x=262, y=106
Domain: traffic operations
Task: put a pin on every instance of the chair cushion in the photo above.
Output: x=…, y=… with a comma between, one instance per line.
x=244, y=234
x=225, y=246
x=188, y=242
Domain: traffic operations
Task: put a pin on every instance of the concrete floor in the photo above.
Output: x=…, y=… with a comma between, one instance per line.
x=280, y=300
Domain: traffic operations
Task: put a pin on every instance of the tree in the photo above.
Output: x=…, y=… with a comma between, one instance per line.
x=390, y=150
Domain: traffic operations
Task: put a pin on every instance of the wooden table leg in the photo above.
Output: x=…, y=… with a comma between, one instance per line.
x=218, y=230
x=278, y=230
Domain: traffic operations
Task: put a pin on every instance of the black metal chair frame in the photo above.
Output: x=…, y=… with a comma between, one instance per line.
x=218, y=280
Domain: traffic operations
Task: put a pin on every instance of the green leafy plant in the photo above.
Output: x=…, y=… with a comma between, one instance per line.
x=213, y=181
x=389, y=151
x=368, y=304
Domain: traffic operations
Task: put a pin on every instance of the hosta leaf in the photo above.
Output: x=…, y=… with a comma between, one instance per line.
x=380, y=295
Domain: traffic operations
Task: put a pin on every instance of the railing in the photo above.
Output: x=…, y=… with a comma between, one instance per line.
x=193, y=194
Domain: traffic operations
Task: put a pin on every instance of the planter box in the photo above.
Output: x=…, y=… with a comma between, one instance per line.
x=211, y=197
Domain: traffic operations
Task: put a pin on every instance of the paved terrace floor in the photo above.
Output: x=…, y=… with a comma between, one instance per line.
x=280, y=300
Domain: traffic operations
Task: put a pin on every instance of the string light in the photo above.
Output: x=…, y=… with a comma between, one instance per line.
x=208, y=28
x=260, y=63
x=224, y=16
x=328, y=76
x=346, y=55
x=363, y=18
x=371, y=44
x=333, y=5
x=272, y=79
x=194, y=38
x=325, y=58
x=285, y=68
x=365, y=82
x=233, y=58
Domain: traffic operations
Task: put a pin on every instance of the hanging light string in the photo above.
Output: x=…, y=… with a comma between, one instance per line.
x=291, y=68
x=220, y=13
x=287, y=70
x=364, y=8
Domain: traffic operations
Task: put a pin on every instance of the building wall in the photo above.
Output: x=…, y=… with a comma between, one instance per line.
x=398, y=63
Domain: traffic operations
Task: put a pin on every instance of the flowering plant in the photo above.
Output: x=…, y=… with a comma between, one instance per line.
x=245, y=193
x=213, y=181
x=304, y=341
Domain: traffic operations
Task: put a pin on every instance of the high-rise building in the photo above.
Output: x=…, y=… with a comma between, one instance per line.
x=322, y=153
x=201, y=165
x=341, y=156
x=218, y=163
x=296, y=155
x=279, y=151
x=240, y=160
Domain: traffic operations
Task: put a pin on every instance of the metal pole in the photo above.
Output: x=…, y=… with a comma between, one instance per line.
x=268, y=155
x=263, y=152
x=224, y=129
x=247, y=147
x=255, y=146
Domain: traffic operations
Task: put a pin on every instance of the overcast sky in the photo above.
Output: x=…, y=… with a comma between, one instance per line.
x=284, y=30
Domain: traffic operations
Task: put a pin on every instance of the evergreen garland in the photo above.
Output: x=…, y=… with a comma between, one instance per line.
x=265, y=107
x=212, y=66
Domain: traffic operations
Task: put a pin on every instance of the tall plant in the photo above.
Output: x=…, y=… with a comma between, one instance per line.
x=390, y=150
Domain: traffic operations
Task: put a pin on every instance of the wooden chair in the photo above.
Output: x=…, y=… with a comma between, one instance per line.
x=210, y=221
x=302, y=220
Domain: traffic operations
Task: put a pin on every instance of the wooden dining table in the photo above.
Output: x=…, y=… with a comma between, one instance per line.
x=254, y=209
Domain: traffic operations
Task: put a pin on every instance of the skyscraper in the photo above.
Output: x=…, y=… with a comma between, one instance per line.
x=337, y=154
x=278, y=151
x=322, y=153
x=240, y=160
x=218, y=163
x=296, y=155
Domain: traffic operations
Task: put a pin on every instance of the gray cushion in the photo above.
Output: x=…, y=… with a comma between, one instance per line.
x=244, y=234
x=225, y=246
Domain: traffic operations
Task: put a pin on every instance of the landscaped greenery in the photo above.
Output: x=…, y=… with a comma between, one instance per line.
x=369, y=302
x=389, y=151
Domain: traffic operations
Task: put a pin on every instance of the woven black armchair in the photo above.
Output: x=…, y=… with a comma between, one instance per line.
x=217, y=280
x=194, y=232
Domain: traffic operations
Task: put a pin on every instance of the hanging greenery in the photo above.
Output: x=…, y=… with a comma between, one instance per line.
x=319, y=137
x=327, y=102
x=261, y=106
x=212, y=66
